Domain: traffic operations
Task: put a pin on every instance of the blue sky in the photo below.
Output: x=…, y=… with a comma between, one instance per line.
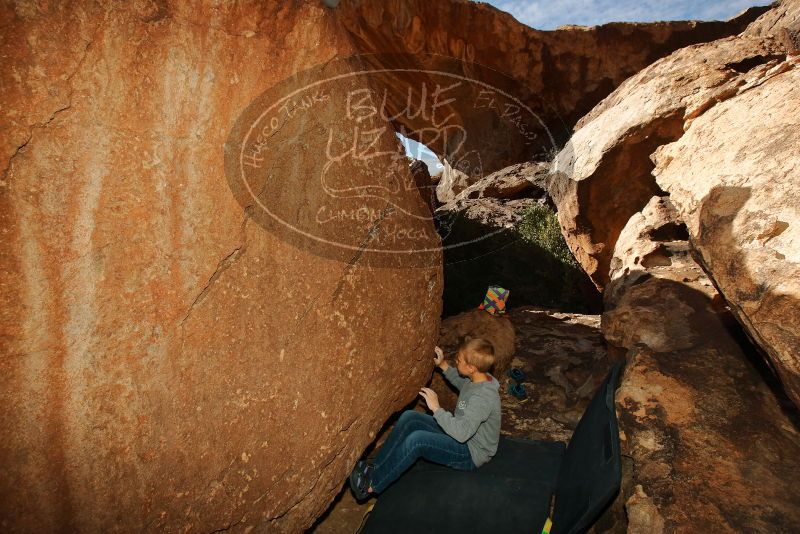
x=418, y=151
x=549, y=14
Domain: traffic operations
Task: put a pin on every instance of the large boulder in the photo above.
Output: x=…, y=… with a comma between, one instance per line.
x=169, y=360
x=781, y=22
x=425, y=185
x=499, y=200
x=700, y=423
x=528, y=179
x=654, y=241
x=653, y=246
x=454, y=180
x=603, y=176
x=734, y=177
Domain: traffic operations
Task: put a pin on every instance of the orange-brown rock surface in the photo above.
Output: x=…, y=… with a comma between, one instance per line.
x=499, y=199
x=781, y=22
x=167, y=362
x=186, y=345
x=527, y=179
x=603, y=176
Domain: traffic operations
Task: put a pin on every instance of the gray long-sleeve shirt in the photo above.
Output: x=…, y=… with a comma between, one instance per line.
x=477, y=415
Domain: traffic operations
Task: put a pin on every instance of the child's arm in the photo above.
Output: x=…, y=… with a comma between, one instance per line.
x=449, y=372
x=464, y=427
x=453, y=377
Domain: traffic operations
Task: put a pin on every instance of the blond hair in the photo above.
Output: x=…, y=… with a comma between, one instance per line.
x=478, y=352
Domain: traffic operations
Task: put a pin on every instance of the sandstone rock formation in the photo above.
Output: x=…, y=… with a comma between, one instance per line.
x=698, y=420
x=731, y=108
x=781, y=22
x=490, y=212
x=741, y=209
x=652, y=246
x=453, y=181
x=654, y=241
x=425, y=185
x=527, y=179
x=167, y=363
x=179, y=358
x=519, y=180
x=499, y=199
x=536, y=66
x=603, y=175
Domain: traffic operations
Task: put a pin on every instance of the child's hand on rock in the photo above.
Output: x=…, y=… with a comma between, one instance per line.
x=439, y=358
x=431, y=398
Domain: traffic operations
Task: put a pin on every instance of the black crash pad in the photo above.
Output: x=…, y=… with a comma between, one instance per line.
x=512, y=492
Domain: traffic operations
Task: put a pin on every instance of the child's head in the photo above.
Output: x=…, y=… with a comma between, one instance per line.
x=477, y=352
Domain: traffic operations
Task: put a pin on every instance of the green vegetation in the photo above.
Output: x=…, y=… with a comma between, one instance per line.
x=539, y=226
x=540, y=229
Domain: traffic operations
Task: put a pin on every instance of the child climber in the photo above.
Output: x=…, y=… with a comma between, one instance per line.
x=464, y=440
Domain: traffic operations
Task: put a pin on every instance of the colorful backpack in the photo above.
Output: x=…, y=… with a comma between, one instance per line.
x=495, y=300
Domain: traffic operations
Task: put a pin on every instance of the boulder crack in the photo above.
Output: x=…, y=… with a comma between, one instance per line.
x=314, y=485
x=50, y=119
x=222, y=266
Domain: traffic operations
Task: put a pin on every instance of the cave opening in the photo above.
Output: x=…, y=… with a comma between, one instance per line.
x=494, y=236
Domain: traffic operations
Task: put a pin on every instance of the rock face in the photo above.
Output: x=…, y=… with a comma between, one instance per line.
x=499, y=199
x=167, y=363
x=527, y=179
x=698, y=420
x=176, y=357
x=604, y=174
x=728, y=108
x=424, y=184
x=741, y=209
x=781, y=22
x=453, y=181
x=654, y=241
x=652, y=246
x=536, y=66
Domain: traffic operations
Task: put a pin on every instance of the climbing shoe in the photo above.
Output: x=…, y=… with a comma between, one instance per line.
x=360, y=480
x=518, y=391
x=516, y=374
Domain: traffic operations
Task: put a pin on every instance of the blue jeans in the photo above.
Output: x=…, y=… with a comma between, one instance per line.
x=417, y=435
